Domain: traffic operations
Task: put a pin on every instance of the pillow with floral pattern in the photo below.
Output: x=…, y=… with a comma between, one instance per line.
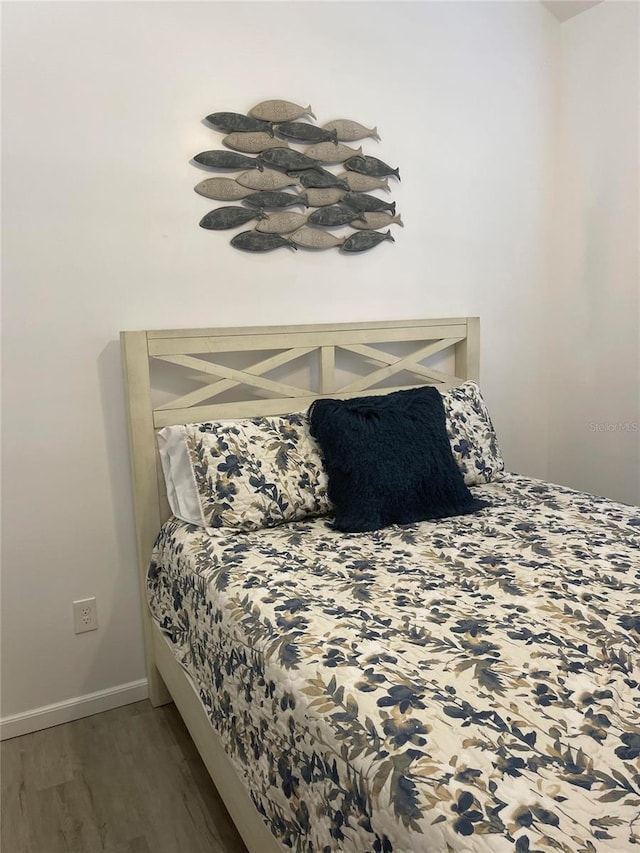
x=246, y=474
x=471, y=435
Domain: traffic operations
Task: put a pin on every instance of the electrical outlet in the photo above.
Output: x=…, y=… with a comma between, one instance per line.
x=85, y=615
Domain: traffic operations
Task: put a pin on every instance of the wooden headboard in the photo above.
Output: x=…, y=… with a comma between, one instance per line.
x=238, y=372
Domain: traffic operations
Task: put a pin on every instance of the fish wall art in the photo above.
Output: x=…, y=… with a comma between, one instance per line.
x=276, y=156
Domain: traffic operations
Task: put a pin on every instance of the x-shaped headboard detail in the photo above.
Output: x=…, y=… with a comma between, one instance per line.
x=196, y=351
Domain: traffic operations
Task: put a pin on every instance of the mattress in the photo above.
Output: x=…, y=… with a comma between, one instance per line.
x=471, y=684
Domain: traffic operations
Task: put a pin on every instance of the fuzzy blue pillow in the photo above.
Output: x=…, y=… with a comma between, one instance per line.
x=389, y=460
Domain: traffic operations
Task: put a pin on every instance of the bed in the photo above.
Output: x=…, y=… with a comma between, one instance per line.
x=469, y=683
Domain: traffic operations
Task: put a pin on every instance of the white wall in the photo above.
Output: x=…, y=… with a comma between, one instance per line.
x=102, y=112
x=594, y=356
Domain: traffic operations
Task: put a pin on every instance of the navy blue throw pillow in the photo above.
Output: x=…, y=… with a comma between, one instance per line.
x=388, y=460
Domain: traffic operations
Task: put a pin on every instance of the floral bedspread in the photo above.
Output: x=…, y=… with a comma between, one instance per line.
x=471, y=684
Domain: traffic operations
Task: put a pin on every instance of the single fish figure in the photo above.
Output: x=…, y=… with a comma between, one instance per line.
x=319, y=178
x=337, y=214
x=271, y=198
x=330, y=152
x=367, y=165
x=253, y=143
x=268, y=179
x=312, y=238
x=376, y=219
x=275, y=110
x=228, y=217
x=281, y=222
x=254, y=241
x=302, y=131
x=362, y=240
x=222, y=189
x=286, y=159
x=364, y=183
x=322, y=197
x=227, y=160
x=364, y=202
x=230, y=122
x=350, y=131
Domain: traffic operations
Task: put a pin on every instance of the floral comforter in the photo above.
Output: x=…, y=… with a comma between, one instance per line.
x=466, y=685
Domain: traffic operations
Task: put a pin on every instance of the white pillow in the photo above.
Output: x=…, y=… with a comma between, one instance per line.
x=182, y=489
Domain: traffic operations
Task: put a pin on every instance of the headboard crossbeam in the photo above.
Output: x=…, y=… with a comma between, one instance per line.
x=280, y=331
x=261, y=341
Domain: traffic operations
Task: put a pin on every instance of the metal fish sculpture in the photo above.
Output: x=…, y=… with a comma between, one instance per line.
x=281, y=222
x=350, y=131
x=376, y=219
x=286, y=159
x=330, y=152
x=302, y=131
x=367, y=165
x=364, y=202
x=364, y=183
x=253, y=143
x=279, y=111
x=312, y=238
x=228, y=217
x=337, y=214
x=322, y=197
x=271, y=198
x=268, y=179
x=227, y=160
x=362, y=240
x=319, y=179
x=254, y=241
x=222, y=189
x=230, y=122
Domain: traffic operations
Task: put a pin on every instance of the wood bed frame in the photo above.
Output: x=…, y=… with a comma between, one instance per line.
x=204, y=354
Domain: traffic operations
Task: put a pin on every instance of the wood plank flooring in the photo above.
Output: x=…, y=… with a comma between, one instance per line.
x=125, y=781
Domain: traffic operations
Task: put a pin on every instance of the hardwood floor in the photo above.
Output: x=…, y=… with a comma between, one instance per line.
x=125, y=781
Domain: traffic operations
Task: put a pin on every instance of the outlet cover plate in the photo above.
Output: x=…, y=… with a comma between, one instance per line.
x=85, y=615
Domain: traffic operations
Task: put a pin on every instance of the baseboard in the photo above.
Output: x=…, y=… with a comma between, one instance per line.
x=73, y=709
